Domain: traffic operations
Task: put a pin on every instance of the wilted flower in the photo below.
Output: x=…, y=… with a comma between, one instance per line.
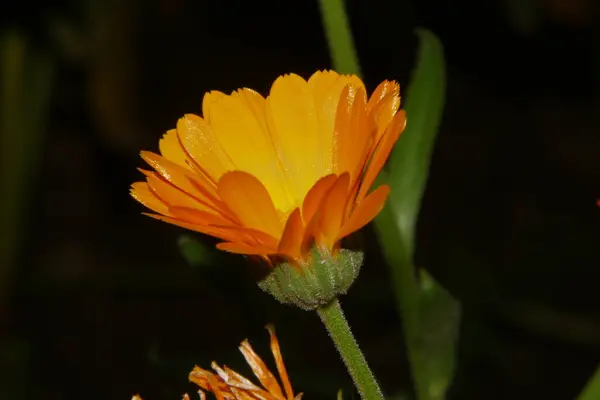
x=227, y=384
x=274, y=176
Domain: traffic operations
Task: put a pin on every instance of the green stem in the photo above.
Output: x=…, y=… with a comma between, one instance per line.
x=339, y=37
x=591, y=391
x=339, y=330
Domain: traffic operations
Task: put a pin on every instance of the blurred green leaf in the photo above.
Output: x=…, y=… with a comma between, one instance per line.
x=408, y=166
x=591, y=391
x=195, y=253
x=422, y=303
x=439, y=318
x=26, y=76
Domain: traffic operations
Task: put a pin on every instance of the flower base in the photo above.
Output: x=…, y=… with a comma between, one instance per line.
x=315, y=283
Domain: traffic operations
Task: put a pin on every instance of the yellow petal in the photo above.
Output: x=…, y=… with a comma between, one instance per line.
x=171, y=149
x=142, y=193
x=294, y=126
x=239, y=125
x=199, y=142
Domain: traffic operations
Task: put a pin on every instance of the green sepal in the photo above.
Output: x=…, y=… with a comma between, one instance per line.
x=314, y=283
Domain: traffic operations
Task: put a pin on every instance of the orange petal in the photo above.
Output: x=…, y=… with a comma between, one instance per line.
x=217, y=389
x=332, y=212
x=383, y=111
x=251, y=236
x=142, y=193
x=229, y=235
x=283, y=375
x=352, y=132
x=243, y=248
x=366, y=211
x=240, y=394
x=291, y=240
x=315, y=195
x=194, y=216
x=311, y=234
x=326, y=87
x=248, y=199
x=266, y=378
x=382, y=152
x=171, y=195
x=182, y=178
x=384, y=89
x=232, y=376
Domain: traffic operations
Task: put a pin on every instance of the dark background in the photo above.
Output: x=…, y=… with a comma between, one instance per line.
x=99, y=302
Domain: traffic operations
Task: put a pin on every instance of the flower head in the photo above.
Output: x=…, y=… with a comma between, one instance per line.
x=227, y=384
x=273, y=176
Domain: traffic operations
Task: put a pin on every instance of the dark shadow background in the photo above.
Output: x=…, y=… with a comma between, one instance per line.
x=101, y=303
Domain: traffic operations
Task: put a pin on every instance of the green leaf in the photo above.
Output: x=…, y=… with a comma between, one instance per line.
x=423, y=304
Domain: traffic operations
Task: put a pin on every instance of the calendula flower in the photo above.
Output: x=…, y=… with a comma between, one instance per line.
x=277, y=176
x=227, y=384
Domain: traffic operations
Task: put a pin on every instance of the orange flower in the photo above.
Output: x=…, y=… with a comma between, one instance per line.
x=273, y=176
x=227, y=384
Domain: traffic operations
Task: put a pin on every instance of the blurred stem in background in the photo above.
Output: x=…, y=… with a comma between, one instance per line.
x=25, y=84
x=591, y=391
x=429, y=314
x=339, y=36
